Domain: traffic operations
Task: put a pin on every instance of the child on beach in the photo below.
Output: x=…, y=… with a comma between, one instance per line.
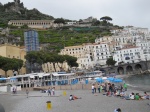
x=73, y=97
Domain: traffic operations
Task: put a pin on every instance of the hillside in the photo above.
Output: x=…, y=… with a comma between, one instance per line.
x=56, y=39
x=16, y=11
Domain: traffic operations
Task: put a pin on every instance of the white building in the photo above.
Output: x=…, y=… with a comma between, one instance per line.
x=88, y=55
x=129, y=54
x=101, y=53
x=145, y=49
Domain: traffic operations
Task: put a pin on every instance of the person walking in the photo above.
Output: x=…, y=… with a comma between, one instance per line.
x=99, y=88
x=49, y=91
x=95, y=88
x=27, y=93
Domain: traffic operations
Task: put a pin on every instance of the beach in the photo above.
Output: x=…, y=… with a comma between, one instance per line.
x=89, y=102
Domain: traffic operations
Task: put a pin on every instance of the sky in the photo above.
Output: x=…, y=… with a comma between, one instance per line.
x=123, y=12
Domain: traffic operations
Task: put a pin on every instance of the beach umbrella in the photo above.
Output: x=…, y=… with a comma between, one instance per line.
x=110, y=79
x=100, y=80
x=117, y=80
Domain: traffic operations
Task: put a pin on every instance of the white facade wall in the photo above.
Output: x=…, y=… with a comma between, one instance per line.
x=145, y=49
x=101, y=53
x=127, y=55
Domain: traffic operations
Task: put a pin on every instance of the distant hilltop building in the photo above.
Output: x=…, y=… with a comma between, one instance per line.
x=39, y=24
x=31, y=40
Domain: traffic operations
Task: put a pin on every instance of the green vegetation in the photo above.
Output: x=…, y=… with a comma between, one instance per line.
x=44, y=57
x=110, y=61
x=10, y=64
x=62, y=37
x=21, y=13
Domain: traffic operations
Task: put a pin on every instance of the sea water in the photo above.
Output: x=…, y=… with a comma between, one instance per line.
x=140, y=82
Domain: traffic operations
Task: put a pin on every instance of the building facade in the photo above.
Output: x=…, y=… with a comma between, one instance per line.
x=31, y=40
x=13, y=51
x=39, y=24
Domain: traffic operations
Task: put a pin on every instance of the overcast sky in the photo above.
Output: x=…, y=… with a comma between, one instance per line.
x=123, y=12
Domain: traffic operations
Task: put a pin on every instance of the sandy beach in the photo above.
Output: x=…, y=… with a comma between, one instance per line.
x=89, y=102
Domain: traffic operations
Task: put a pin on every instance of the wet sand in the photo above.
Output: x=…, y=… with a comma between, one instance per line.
x=89, y=102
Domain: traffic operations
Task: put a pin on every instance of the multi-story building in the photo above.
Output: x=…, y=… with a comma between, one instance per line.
x=128, y=54
x=101, y=53
x=12, y=51
x=88, y=55
x=145, y=48
x=31, y=40
x=39, y=24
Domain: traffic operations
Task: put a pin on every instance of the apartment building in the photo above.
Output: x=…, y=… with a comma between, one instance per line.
x=127, y=54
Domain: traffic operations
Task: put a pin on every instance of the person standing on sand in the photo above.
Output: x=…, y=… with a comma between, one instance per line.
x=125, y=86
x=99, y=88
x=27, y=93
x=49, y=91
x=53, y=90
x=93, y=88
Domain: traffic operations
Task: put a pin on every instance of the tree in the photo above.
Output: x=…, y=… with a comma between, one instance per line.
x=96, y=23
x=59, y=20
x=110, y=61
x=7, y=65
x=106, y=18
x=17, y=64
x=25, y=26
x=72, y=61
